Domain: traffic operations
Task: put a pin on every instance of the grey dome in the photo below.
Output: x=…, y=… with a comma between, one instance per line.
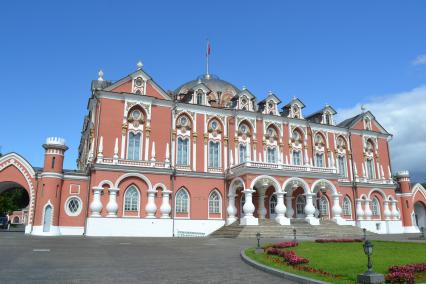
x=212, y=82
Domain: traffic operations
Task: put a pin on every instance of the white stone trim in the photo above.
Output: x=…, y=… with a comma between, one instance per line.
x=141, y=176
x=80, y=206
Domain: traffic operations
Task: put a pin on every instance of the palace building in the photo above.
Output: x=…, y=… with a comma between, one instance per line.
x=186, y=163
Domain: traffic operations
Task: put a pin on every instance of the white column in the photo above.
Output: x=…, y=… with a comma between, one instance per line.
x=280, y=209
x=150, y=207
x=359, y=210
x=261, y=210
x=289, y=212
x=100, y=150
x=112, y=206
x=337, y=210
x=205, y=157
x=167, y=160
x=386, y=210
x=367, y=211
x=225, y=157
x=165, y=207
x=146, y=147
x=231, y=209
x=395, y=213
x=115, y=157
x=123, y=146
x=248, y=209
x=96, y=205
x=310, y=210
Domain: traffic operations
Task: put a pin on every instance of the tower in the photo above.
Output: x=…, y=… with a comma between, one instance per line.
x=403, y=178
x=49, y=190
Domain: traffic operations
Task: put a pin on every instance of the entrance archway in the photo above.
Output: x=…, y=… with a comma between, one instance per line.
x=14, y=200
x=420, y=214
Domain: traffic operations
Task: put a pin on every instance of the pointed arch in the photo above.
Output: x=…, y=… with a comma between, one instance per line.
x=182, y=203
x=215, y=204
x=347, y=206
x=131, y=201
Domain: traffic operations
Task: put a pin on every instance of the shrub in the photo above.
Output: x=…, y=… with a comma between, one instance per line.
x=404, y=273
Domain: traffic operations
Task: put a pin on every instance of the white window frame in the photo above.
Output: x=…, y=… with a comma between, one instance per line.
x=347, y=207
x=245, y=153
x=275, y=155
x=375, y=207
x=293, y=157
x=138, y=204
x=371, y=173
x=140, y=144
x=188, y=163
x=344, y=172
x=320, y=163
x=219, y=205
x=80, y=206
x=219, y=154
x=188, y=204
x=323, y=203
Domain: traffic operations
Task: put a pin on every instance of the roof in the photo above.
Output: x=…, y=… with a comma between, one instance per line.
x=350, y=121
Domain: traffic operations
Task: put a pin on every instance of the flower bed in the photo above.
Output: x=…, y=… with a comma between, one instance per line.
x=339, y=240
x=285, y=245
x=289, y=256
x=404, y=273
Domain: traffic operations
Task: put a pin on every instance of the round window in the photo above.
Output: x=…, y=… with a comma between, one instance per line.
x=271, y=105
x=296, y=136
x=136, y=114
x=214, y=125
x=183, y=120
x=270, y=131
x=243, y=128
x=243, y=101
x=138, y=81
x=73, y=206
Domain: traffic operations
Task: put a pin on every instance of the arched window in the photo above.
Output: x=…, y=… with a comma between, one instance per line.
x=133, y=148
x=319, y=160
x=131, y=199
x=347, y=207
x=297, y=158
x=271, y=155
x=342, y=166
x=327, y=118
x=370, y=169
x=182, y=201
x=300, y=205
x=243, y=153
x=375, y=207
x=182, y=151
x=214, y=154
x=323, y=206
x=214, y=202
x=272, y=205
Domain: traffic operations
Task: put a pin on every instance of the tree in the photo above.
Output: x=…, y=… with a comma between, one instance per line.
x=13, y=199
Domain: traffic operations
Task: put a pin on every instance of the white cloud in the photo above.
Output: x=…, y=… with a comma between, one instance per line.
x=404, y=116
x=420, y=60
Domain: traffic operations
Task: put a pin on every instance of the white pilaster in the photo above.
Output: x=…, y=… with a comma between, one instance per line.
x=146, y=148
x=231, y=210
x=165, y=207
x=386, y=210
x=367, y=210
x=289, y=212
x=359, y=210
x=248, y=209
x=310, y=210
x=112, y=206
x=100, y=150
x=96, y=205
x=280, y=209
x=150, y=207
x=167, y=160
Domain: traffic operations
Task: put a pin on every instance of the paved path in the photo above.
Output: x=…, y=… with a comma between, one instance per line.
x=25, y=259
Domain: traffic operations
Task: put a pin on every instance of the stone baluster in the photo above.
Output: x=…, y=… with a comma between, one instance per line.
x=261, y=210
x=249, y=208
x=310, y=209
x=165, y=207
x=150, y=207
x=115, y=157
x=289, y=212
x=337, y=209
x=112, y=206
x=359, y=210
x=231, y=209
x=96, y=205
x=395, y=212
x=280, y=209
x=367, y=210
x=386, y=210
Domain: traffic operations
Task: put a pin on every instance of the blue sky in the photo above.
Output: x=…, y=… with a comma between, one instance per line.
x=337, y=52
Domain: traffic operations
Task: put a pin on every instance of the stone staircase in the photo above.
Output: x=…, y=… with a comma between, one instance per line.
x=271, y=229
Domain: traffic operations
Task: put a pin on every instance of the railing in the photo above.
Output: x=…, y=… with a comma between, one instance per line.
x=190, y=234
x=134, y=163
x=294, y=168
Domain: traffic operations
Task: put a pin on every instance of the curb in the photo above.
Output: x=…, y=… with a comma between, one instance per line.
x=279, y=273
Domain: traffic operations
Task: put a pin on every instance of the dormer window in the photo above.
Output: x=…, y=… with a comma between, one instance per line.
x=327, y=118
x=271, y=104
x=296, y=111
x=199, y=97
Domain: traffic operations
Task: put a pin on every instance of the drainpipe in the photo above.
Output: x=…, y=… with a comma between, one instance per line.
x=354, y=186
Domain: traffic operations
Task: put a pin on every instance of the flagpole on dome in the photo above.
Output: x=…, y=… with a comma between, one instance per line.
x=207, y=59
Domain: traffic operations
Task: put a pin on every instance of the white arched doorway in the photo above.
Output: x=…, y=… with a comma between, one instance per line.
x=420, y=214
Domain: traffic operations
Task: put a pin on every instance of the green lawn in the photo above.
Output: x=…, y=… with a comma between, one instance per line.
x=348, y=259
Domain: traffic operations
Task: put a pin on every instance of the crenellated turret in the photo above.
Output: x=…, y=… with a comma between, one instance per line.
x=54, y=155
